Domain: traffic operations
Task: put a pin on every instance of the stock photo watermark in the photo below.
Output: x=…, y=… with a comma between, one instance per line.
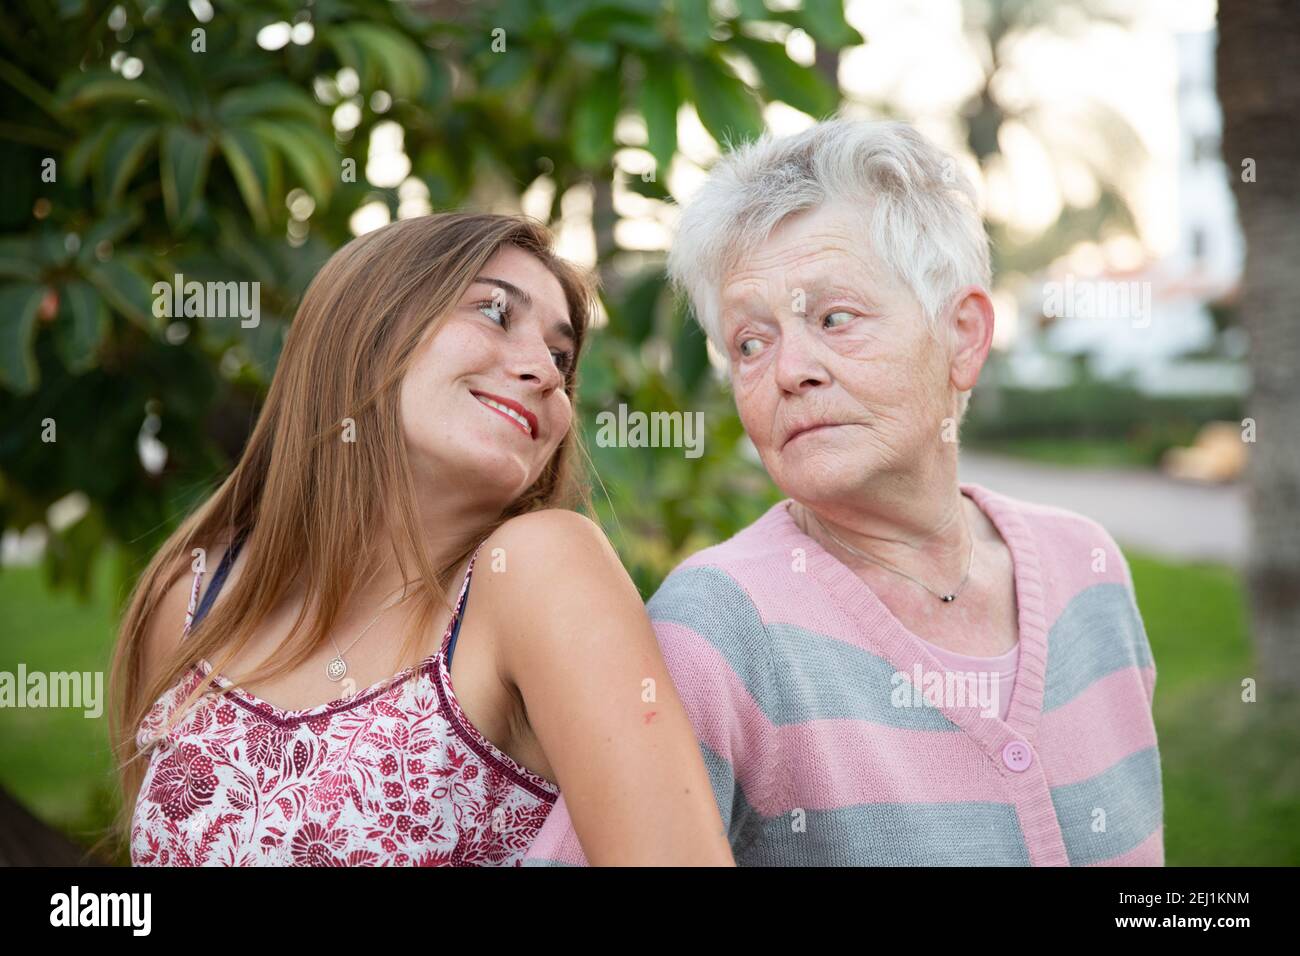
x=78, y=690
x=638, y=429
x=75, y=908
x=946, y=688
x=1098, y=299
x=208, y=300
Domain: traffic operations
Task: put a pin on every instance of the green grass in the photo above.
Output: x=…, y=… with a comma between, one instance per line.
x=57, y=761
x=1231, y=780
x=1076, y=452
x=1231, y=777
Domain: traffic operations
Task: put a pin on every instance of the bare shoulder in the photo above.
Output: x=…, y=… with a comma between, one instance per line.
x=548, y=566
x=163, y=629
x=549, y=546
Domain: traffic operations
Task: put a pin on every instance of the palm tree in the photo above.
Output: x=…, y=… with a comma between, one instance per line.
x=1090, y=131
x=1259, y=90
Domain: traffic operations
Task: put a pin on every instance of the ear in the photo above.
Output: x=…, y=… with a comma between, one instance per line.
x=971, y=328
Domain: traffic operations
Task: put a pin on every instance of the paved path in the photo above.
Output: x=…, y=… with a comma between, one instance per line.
x=1141, y=509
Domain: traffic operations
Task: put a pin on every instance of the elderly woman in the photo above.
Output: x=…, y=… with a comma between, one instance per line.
x=891, y=666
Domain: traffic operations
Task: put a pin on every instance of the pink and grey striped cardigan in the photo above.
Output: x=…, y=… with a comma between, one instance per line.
x=786, y=663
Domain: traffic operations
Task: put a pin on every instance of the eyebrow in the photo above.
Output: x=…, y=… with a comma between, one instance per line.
x=510, y=287
x=817, y=289
x=560, y=328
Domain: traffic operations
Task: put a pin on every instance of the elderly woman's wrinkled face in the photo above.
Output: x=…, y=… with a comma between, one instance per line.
x=835, y=377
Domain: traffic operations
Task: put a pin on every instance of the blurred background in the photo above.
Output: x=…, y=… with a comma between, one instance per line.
x=1142, y=146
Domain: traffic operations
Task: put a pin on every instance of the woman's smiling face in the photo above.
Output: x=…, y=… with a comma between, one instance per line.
x=483, y=404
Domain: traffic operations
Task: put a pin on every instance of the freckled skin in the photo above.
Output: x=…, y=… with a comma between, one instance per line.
x=451, y=437
x=860, y=355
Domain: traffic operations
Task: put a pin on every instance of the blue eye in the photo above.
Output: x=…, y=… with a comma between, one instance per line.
x=848, y=317
x=497, y=313
x=748, y=352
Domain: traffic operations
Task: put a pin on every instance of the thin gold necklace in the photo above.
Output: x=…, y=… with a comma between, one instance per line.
x=945, y=598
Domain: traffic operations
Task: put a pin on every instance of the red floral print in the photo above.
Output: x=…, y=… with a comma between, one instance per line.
x=392, y=776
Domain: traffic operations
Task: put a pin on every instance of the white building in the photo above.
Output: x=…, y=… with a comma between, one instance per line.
x=1143, y=323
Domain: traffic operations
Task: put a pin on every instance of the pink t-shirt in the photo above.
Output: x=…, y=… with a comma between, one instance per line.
x=1004, y=665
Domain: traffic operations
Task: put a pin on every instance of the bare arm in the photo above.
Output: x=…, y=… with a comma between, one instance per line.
x=574, y=638
x=163, y=629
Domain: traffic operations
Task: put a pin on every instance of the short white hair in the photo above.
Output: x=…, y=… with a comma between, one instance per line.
x=922, y=213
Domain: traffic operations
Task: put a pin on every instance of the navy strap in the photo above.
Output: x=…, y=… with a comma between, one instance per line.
x=228, y=559
x=460, y=612
x=218, y=579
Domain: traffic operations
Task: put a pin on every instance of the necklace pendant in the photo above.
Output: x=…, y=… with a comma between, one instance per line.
x=948, y=597
x=335, y=669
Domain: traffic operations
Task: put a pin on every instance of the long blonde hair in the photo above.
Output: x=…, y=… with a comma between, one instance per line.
x=308, y=503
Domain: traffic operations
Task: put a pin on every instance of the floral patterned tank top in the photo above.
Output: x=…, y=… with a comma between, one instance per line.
x=393, y=775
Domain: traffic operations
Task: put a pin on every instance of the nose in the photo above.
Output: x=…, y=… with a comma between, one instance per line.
x=798, y=368
x=533, y=364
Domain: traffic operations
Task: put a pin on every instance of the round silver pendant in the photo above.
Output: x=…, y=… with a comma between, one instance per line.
x=335, y=669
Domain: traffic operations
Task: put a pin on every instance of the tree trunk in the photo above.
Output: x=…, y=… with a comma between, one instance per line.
x=1258, y=78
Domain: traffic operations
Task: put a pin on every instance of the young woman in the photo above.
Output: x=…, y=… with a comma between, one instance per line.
x=405, y=499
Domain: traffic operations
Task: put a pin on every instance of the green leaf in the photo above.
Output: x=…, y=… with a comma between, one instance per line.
x=506, y=70
x=19, y=258
x=560, y=15
x=87, y=150
x=696, y=24
x=592, y=130
x=353, y=55
x=596, y=55
x=81, y=326
x=726, y=106
x=309, y=151
x=690, y=352
x=52, y=246
x=620, y=26
x=254, y=167
x=19, y=302
x=650, y=188
x=126, y=291
x=639, y=306
x=185, y=155
x=438, y=86
x=112, y=227
x=374, y=50
x=824, y=21
x=659, y=102
x=266, y=100
x=802, y=87
x=122, y=158
x=443, y=175
x=264, y=342
x=70, y=554
x=84, y=90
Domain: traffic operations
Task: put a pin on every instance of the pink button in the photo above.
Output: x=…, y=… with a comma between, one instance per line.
x=1017, y=755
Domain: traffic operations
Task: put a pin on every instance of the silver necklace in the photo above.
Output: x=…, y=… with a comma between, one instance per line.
x=336, y=669
x=945, y=598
